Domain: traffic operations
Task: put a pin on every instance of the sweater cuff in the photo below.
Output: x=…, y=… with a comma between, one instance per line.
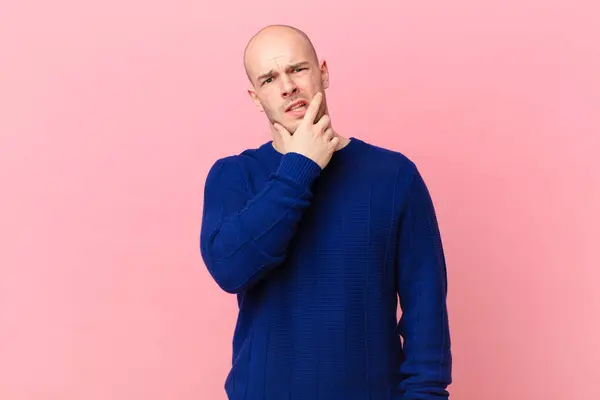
x=298, y=168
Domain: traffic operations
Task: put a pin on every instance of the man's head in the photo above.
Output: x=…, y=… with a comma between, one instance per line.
x=283, y=68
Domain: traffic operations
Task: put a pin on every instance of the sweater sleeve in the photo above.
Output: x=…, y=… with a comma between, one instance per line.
x=426, y=360
x=243, y=236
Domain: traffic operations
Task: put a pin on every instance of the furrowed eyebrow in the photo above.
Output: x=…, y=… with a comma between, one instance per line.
x=291, y=66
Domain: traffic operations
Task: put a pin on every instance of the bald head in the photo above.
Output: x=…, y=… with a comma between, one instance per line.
x=282, y=66
x=275, y=41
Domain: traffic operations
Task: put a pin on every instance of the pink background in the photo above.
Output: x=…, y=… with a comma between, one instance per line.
x=111, y=113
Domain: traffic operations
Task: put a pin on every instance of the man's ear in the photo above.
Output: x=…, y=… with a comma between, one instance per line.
x=324, y=74
x=255, y=99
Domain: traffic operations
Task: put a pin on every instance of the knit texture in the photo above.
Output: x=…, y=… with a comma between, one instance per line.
x=319, y=261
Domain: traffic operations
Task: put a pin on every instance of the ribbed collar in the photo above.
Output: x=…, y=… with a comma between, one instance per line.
x=273, y=157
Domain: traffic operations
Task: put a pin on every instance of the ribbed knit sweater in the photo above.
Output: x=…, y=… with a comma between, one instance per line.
x=319, y=259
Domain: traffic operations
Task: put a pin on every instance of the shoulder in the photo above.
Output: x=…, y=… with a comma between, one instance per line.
x=239, y=166
x=396, y=169
x=388, y=161
x=402, y=173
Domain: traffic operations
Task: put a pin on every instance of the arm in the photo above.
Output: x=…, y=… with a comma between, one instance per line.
x=426, y=362
x=242, y=236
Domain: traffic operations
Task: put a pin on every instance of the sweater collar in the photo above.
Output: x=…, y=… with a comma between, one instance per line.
x=344, y=153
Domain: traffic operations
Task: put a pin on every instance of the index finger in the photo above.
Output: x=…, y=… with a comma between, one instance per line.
x=313, y=108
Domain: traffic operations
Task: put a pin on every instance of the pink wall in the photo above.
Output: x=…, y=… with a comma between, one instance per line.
x=111, y=114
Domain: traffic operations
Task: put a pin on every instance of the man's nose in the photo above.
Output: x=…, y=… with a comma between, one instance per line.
x=288, y=87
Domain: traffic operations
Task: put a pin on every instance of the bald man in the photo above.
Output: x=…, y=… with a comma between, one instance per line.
x=320, y=237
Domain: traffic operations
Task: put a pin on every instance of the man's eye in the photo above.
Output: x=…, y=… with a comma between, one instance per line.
x=267, y=80
x=299, y=69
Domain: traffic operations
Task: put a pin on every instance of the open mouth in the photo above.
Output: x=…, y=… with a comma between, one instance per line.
x=297, y=106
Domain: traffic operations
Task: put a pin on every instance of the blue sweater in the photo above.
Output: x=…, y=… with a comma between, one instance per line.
x=318, y=260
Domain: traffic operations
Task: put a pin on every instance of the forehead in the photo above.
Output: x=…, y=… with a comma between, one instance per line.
x=274, y=53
